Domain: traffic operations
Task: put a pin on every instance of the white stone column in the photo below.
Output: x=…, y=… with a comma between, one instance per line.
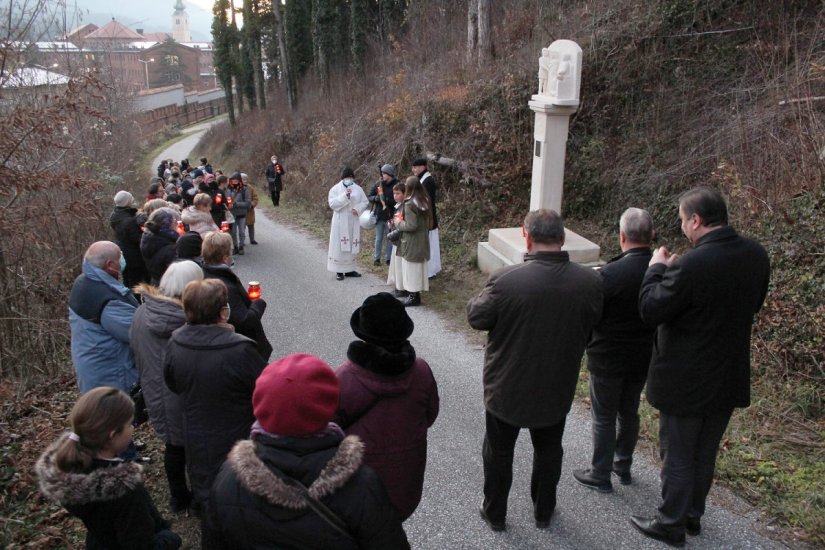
x=549, y=151
x=556, y=101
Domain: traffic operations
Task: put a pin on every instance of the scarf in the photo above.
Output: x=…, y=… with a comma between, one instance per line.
x=331, y=429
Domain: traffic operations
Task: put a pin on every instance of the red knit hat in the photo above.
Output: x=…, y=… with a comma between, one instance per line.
x=296, y=395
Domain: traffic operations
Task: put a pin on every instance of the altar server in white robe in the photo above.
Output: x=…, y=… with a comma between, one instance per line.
x=348, y=201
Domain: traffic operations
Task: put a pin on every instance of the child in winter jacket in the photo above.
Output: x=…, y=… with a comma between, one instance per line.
x=81, y=471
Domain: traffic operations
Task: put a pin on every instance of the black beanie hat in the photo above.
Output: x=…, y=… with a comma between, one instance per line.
x=419, y=162
x=189, y=245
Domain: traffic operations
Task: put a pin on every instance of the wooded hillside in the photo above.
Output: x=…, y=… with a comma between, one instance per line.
x=675, y=93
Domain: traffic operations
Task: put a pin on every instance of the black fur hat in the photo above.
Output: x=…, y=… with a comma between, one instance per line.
x=382, y=320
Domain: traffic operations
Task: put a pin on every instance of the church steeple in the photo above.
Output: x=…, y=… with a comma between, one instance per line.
x=180, y=23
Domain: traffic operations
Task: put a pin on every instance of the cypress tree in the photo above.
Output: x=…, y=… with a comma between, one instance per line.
x=359, y=23
x=223, y=57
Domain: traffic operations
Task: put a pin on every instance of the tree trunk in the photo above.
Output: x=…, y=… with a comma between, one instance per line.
x=289, y=78
x=260, y=83
x=472, y=29
x=485, y=38
x=230, y=107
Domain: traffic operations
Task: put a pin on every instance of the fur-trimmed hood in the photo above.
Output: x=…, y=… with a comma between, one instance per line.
x=259, y=480
x=99, y=485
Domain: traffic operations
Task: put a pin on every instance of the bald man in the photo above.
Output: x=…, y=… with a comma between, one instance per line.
x=100, y=314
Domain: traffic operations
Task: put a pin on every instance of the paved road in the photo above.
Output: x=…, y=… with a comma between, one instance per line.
x=308, y=311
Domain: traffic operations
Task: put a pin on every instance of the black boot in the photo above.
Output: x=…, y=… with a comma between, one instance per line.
x=174, y=462
x=414, y=299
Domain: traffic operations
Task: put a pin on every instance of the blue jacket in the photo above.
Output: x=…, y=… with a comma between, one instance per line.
x=100, y=314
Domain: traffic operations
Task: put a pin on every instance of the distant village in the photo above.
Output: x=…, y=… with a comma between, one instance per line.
x=164, y=71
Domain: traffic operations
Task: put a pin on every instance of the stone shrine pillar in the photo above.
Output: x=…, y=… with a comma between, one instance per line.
x=557, y=99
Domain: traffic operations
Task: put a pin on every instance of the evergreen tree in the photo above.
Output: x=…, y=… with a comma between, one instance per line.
x=259, y=13
x=391, y=14
x=297, y=27
x=324, y=19
x=246, y=50
x=359, y=25
x=223, y=57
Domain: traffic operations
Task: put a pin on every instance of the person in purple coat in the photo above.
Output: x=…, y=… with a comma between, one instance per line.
x=389, y=398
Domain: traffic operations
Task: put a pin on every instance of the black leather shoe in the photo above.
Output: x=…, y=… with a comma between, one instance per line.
x=400, y=293
x=586, y=478
x=542, y=523
x=376, y=262
x=494, y=525
x=388, y=262
x=253, y=242
x=693, y=526
x=339, y=276
x=653, y=529
x=352, y=274
x=414, y=299
x=624, y=477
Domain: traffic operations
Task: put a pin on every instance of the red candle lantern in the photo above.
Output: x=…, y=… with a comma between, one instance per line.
x=218, y=198
x=254, y=290
x=180, y=228
x=229, y=202
x=225, y=227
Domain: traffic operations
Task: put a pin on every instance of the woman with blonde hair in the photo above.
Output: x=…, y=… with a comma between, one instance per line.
x=152, y=325
x=416, y=217
x=198, y=217
x=82, y=472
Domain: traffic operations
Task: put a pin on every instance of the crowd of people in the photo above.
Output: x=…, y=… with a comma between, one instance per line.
x=250, y=448
x=277, y=454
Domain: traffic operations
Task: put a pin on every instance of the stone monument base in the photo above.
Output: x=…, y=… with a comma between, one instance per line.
x=508, y=247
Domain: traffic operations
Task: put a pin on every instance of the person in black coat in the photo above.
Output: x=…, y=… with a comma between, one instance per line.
x=128, y=234
x=158, y=243
x=246, y=313
x=704, y=304
x=383, y=204
x=274, y=171
x=81, y=471
x=213, y=369
x=618, y=355
x=255, y=503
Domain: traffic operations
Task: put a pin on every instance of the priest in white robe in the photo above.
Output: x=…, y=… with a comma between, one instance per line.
x=348, y=201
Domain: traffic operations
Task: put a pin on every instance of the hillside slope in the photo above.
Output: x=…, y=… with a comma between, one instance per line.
x=675, y=93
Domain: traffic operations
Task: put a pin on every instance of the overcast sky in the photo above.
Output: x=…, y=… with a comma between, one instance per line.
x=150, y=15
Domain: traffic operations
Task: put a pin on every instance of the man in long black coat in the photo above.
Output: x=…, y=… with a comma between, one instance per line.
x=704, y=304
x=539, y=315
x=618, y=356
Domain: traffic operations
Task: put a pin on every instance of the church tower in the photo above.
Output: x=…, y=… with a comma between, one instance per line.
x=180, y=23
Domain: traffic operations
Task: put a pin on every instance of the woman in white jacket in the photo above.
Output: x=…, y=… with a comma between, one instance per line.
x=198, y=217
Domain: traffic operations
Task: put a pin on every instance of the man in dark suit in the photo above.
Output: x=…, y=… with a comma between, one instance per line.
x=539, y=315
x=704, y=304
x=618, y=356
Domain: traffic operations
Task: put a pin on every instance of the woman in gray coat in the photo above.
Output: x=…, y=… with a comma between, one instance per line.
x=152, y=326
x=408, y=270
